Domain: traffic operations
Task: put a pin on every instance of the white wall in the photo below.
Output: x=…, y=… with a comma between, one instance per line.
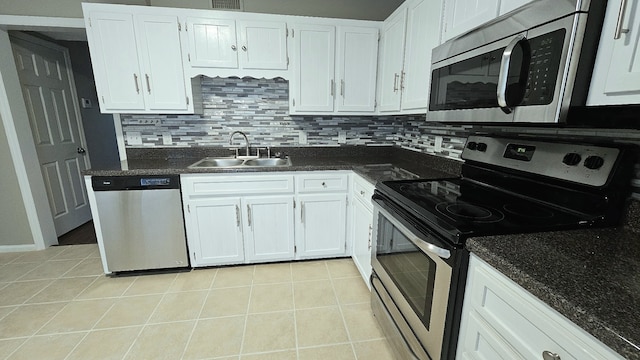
x=349, y=9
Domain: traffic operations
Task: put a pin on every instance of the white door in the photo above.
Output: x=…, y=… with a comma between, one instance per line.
x=314, y=61
x=423, y=28
x=214, y=231
x=391, y=59
x=356, y=65
x=212, y=42
x=50, y=96
x=263, y=45
x=269, y=228
x=322, y=225
x=161, y=59
x=463, y=15
x=114, y=55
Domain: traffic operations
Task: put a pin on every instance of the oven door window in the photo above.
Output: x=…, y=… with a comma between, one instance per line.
x=411, y=270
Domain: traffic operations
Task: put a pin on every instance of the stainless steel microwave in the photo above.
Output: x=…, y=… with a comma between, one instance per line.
x=530, y=65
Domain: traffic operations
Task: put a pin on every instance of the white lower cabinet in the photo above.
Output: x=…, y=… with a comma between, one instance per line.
x=269, y=234
x=214, y=231
x=321, y=225
x=362, y=226
x=501, y=320
x=250, y=218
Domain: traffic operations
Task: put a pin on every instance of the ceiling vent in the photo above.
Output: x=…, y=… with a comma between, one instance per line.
x=233, y=5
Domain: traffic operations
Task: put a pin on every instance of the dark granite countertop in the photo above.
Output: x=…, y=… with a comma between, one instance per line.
x=592, y=277
x=374, y=163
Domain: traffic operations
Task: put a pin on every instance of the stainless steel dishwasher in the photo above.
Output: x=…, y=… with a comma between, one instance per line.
x=141, y=222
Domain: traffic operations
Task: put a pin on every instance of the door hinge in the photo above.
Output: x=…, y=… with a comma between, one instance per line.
x=287, y=61
x=102, y=99
x=187, y=100
x=194, y=255
x=292, y=33
x=294, y=204
x=189, y=208
x=294, y=102
x=379, y=36
x=179, y=26
x=295, y=249
x=90, y=23
x=287, y=30
x=347, y=201
x=189, y=57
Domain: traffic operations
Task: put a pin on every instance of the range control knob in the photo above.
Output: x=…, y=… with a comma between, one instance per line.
x=572, y=159
x=482, y=147
x=472, y=145
x=593, y=162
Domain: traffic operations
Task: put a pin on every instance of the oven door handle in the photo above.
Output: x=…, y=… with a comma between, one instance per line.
x=420, y=243
x=503, y=76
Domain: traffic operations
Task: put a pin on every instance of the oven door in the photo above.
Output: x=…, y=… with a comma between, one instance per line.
x=411, y=278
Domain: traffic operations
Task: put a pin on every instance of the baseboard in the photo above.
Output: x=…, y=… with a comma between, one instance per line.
x=17, y=248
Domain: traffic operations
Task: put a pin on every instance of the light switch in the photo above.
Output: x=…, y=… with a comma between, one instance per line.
x=342, y=137
x=302, y=137
x=86, y=103
x=166, y=138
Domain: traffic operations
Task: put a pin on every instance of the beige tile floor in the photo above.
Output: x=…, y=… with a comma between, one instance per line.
x=57, y=304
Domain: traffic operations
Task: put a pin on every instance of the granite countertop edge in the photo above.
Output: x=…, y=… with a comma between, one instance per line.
x=609, y=332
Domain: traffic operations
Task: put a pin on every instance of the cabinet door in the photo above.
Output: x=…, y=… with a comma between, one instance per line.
x=362, y=233
x=212, y=42
x=322, y=225
x=114, y=56
x=423, y=27
x=616, y=73
x=214, y=231
x=463, y=15
x=269, y=228
x=161, y=59
x=391, y=59
x=313, y=84
x=357, y=61
x=263, y=45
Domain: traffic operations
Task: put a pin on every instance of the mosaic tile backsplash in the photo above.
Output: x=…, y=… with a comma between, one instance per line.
x=260, y=108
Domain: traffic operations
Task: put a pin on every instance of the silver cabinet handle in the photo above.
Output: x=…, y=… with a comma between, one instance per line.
x=234, y=48
x=148, y=83
x=244, y=48
x=395, y=82
x=302, y=212
x=362, y=192
x=249, y=215
x=342, y=87
x=548, y=355
x=238, y=215
x=135, y=78
x=619, y=30
x=332, y=86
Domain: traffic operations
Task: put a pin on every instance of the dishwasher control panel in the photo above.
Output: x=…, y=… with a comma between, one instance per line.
x=155, y=181
x=135, y=182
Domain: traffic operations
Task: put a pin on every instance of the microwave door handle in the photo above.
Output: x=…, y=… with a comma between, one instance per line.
x=503, y=76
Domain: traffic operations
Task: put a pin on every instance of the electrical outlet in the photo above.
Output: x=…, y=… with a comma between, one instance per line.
x=134, y=138
x=302, y=137
x=86, y=103
x=342, y=137
x=438, y=144
x=166, y=138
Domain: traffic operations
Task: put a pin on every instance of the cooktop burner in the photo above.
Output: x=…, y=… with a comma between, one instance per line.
x=457, y=208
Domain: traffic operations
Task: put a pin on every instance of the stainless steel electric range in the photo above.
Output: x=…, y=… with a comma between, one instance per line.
x=508, y=186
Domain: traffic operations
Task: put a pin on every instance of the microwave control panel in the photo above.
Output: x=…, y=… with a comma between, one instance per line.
x=546, y=51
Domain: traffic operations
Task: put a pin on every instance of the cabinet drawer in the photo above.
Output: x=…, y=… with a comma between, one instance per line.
x=323, y=182
x=363, y=190
x=526, y=323
x=236, y=185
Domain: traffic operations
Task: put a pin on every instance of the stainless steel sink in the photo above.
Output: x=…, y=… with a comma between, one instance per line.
x=210, y=162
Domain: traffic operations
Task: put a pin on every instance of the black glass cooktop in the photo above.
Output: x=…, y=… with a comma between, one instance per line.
x=457, y=208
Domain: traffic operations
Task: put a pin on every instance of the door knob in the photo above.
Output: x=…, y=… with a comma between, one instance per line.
x=81, y=150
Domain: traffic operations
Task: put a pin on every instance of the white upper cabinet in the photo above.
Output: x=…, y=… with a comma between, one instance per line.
x=408, y=37
x=212, y=42
x=242, y=44
x=391, y=60
x=616, y=73
x=356, y=63
x=463, y=15
x=313, y=83
x=332, y=76
x=263, y=45
x=137, y=60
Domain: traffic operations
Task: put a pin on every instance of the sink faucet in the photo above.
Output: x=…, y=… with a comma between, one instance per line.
x=245, y=139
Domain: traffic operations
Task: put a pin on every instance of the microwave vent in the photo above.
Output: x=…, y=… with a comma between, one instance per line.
x=232, y=5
